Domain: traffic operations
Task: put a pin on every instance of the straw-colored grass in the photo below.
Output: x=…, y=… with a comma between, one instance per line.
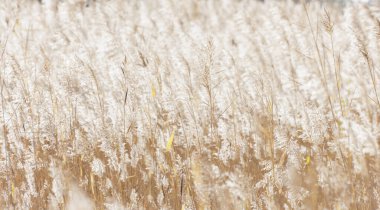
x=189, y=105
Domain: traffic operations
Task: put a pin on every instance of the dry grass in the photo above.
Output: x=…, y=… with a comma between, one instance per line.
x=189, y=105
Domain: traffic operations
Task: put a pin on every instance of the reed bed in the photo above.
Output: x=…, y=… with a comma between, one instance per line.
x=189, y=105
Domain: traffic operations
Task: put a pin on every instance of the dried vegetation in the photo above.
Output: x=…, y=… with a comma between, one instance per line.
x=189, y=105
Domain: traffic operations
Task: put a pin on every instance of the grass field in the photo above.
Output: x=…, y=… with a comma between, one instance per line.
x=189, y=105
